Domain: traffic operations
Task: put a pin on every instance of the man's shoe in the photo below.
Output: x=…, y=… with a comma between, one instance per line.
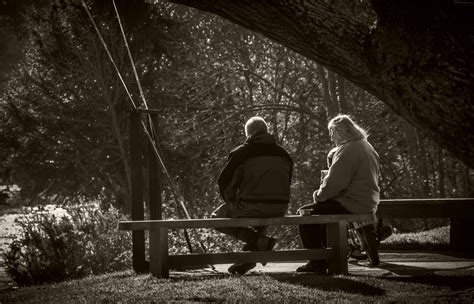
x=359, y=255
x=241, y=268
x=316, y=267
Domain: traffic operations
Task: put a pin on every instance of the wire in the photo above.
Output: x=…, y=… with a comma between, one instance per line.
x=108, y=52
x=152, y=139
x=155, y=141
x=130, y=56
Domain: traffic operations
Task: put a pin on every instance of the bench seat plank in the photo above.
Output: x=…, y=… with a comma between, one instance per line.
x=244, y=222
x=426, y=208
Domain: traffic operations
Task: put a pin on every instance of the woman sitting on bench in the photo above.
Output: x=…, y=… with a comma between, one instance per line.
x=350, y=185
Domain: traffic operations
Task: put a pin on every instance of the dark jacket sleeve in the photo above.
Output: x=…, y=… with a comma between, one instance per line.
x=234, y=161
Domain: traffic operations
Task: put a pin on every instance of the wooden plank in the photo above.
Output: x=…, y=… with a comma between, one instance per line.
x=243, y=222
x=137, y=209
x=240, y=257
x=159, y=259
x=468, y=200
x=426, y=208
x=154, y=181
x=337, y=241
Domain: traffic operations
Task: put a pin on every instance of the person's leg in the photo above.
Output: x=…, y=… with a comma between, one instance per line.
x=261, y=233
x=310, y=235
x=244, y=234
x=314, y=236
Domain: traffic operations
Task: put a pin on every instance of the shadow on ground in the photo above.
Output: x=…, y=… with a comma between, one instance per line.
x=330, y=283
x=457, y=279
x=349, y=284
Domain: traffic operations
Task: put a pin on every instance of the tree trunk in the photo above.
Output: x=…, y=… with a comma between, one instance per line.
x=416, y=56
x=341, y=92
x=330, y=107
x=441, y=184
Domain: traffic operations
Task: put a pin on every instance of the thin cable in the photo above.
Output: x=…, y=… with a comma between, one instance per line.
x=130, y=56
x=157, y=154
x=173, y=186
x=108, y=52
x=165, y=170
x=153, y=140
x=154, y=135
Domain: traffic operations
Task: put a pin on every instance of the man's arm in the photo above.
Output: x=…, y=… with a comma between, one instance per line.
x=226, y=177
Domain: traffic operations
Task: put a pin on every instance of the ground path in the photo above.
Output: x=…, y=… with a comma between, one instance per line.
x=393, y=263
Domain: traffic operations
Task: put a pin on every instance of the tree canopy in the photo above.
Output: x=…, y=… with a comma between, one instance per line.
x=65, y=114
x=416, y=56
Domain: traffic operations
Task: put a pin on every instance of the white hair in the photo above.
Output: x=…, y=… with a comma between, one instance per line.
x=254, y=125
x=346, y=128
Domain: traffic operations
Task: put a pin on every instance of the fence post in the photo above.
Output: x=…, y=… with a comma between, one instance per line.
x=154, y=180
x=460, y=234
x=158, y=240
x=136, y=184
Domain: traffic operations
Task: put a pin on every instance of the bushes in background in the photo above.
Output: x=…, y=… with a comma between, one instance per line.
x=82, y=241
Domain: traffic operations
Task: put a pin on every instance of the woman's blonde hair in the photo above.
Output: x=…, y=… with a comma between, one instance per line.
x=346, y=128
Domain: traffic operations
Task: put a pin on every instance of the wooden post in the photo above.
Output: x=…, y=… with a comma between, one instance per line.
x=154, y=180
x=137, y=210
x=460, y=234
x=158, y=244
x=159, y=260
x=337, y=240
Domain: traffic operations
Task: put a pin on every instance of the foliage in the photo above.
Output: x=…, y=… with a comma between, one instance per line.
x=55, y=247
x=64, y=113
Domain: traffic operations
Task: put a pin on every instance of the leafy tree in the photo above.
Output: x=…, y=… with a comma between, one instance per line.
x=414, y=56
x=67, y=112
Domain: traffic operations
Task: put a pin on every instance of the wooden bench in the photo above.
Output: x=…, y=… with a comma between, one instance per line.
x=160, y=261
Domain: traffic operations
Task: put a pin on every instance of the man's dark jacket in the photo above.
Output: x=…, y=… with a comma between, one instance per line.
x=258, y=171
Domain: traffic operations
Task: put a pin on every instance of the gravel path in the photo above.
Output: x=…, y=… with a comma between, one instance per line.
x=7, y=229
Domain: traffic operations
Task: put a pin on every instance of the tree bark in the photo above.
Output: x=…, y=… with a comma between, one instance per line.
x=416, y=57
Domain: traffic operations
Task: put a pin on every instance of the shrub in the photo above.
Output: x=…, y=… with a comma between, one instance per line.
x=52, y=248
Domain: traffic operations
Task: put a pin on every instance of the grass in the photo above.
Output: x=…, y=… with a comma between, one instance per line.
x=288, y=287
x=127, y=287
x=434, y=239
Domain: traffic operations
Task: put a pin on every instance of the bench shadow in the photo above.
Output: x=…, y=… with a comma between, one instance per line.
x=321, y=282
x=459, y=278
x=328, y=283
x=456, y=278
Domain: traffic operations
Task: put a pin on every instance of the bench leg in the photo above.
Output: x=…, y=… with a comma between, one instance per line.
x=337, y=240
x=138, y=252
x=159, y=258
x=369, y=243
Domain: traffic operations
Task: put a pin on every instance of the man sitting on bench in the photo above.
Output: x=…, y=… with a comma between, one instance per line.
x=254, y=183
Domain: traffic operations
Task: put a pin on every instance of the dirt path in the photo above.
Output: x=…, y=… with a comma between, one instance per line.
x=7, y=229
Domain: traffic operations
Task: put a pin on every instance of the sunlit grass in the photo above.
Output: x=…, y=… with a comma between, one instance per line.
x=437, y=238
x=291, y=287
x=128, y=287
